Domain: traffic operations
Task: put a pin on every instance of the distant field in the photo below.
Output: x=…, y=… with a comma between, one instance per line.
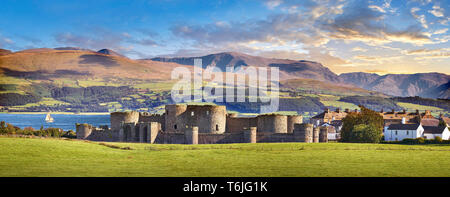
x=330, y=100
x=413, y=107
x=54, y=157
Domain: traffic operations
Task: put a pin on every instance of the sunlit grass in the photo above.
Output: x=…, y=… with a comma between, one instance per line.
x=54, y=157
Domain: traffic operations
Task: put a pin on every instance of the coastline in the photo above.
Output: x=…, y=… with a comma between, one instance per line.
x=67, y=113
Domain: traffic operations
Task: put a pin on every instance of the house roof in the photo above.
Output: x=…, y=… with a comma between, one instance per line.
x=336, y=123
x=403, y=126
x=429, y=122
x=434, y=129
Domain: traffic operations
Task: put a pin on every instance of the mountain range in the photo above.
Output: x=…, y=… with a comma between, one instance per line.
x=430, y=85
x=76, y=62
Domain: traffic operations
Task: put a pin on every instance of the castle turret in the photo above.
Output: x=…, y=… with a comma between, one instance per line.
x=303, y=132
x=291, y=120
x=274, y=123
x=123, y=117
x=83, y=130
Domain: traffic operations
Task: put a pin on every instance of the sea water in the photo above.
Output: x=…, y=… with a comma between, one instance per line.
x=63, y=121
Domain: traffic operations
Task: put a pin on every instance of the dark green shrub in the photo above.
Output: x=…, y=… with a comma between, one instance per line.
x=409, y=141
x=438, y=139
x=420, y=140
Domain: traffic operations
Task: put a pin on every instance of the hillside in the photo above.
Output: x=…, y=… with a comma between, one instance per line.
x=430, y=85
x=82, y=80
x=288, y=68
x=4, y=52
x=68, y=63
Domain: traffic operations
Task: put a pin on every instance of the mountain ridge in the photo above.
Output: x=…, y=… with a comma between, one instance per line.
x=108, y=63
x=289, y=69
x=429, y=85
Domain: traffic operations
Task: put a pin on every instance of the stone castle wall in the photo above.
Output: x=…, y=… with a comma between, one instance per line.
x=237, y=124
x=118, y=117
x=147, y=117
x=273, y=123
x=291, y=120
x=202, y=124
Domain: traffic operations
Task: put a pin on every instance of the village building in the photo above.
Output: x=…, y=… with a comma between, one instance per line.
x=329, y=116
x=398, y=132
x=431, y=132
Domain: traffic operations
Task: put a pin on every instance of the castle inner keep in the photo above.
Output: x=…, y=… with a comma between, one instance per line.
x=202, y=124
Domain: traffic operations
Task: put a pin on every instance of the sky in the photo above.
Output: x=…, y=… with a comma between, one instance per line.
x=377, y=36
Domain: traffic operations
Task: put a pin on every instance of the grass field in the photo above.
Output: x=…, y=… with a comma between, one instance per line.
x=55, y=157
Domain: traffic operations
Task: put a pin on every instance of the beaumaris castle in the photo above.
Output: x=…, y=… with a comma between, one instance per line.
x=202, y=124
x=211, y=124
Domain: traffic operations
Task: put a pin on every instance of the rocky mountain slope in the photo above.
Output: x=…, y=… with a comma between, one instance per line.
x=76, y=63
x=430, y=85
x=289, y=69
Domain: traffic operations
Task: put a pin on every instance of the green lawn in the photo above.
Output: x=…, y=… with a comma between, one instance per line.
x=54, y=157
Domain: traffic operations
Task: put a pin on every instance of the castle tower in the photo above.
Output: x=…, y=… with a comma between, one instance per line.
x=83, y=130
x=273, y=123
x=316, y=132
x=208, y=118
x=174, y=120
x=303, y=132
x=291, y=120
x=126, y=117
x=191, y=135
x=323, y=135
x=250, y=135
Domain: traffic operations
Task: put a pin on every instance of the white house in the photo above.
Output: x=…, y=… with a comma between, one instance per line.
x=398, y=132
x=430, y=132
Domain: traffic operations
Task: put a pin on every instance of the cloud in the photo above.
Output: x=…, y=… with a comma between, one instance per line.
x=420, y=18
x=360, y=23
x=421, y=54
x=7, y=43
x=314, y=54
x=437, y=11
x=359, y=49
x=426, y=51
x=271, y=4
x=443, y=55
x=440, y=31
x=377, y=8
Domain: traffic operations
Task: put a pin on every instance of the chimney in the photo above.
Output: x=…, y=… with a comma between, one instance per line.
x=393, y=110
x=338, y=110
x=417, y=111
x=327, y=110
x=346, y=110
x=382, y=110
x=356, y=110
x=404, y=111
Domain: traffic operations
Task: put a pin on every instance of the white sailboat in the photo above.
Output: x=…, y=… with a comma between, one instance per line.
x=48, y=118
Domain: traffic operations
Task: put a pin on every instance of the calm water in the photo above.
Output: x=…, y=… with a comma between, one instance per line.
x=63, y=121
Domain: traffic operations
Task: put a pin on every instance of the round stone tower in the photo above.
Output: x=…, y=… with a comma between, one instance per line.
x=293, y=119
x=208, y=118
x=83, y=130
x=274, y=123
x=126, y=117
x=175, y=121
x=303, y=132
x=323, y=135
x=316, y=132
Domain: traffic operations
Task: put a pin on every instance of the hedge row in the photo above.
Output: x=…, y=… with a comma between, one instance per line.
x=420, y=140
x=9, y=129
